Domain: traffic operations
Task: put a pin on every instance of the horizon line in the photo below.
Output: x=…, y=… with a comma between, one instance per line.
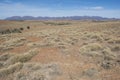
x=59, y=16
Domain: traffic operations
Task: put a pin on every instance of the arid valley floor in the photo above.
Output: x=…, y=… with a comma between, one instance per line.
x=60, y=50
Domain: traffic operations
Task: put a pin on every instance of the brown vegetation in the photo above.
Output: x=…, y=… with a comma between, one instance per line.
x=60, y=50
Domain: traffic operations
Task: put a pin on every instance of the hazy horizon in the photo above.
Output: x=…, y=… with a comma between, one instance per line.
x=59, y=8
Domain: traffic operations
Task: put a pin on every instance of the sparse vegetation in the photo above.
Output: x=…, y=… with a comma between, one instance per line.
x=59, y=50
x=11, y=69
x=90, y=72
x=21, y=57
x=5, y=56
x=55, y=23
x=38, y=71
x=114, y=41
x=1, y=64
x=95, y=49
x=93, y=36
x=15, y=31
x=91, y=49
x=10, y=44
x=116, y=48
x=8, y=31
x=108, y=64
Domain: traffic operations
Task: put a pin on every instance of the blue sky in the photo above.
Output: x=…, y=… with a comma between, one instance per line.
x=104, y=8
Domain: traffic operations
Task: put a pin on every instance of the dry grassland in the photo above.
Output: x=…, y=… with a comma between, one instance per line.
x=59, y=50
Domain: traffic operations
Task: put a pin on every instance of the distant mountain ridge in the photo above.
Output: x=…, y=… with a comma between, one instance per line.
x=59, y=18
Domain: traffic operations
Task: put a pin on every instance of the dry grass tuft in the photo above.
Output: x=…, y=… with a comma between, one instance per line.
x=91, y=47
x=22, y=57
x=97, y=50
x=108, y=54
x=114, y=41
x=94, y=36
x=16, y=41
x=37, y=71
x=11, y=69
x=92, y=72
x=10, y=44
x=39, y=44
x=116, y=48
x=1, y=64
x=5, y=56
x=32, y=76
x=108, y=64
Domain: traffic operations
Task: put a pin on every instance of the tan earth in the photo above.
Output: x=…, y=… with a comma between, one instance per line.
x=60, y=50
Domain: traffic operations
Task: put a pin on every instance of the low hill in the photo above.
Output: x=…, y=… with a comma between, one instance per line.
x=59, y=18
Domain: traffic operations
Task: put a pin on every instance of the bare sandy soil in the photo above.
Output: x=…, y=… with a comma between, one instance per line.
x=60, y=50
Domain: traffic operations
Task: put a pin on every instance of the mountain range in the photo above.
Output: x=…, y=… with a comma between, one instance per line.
x=59, y=18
